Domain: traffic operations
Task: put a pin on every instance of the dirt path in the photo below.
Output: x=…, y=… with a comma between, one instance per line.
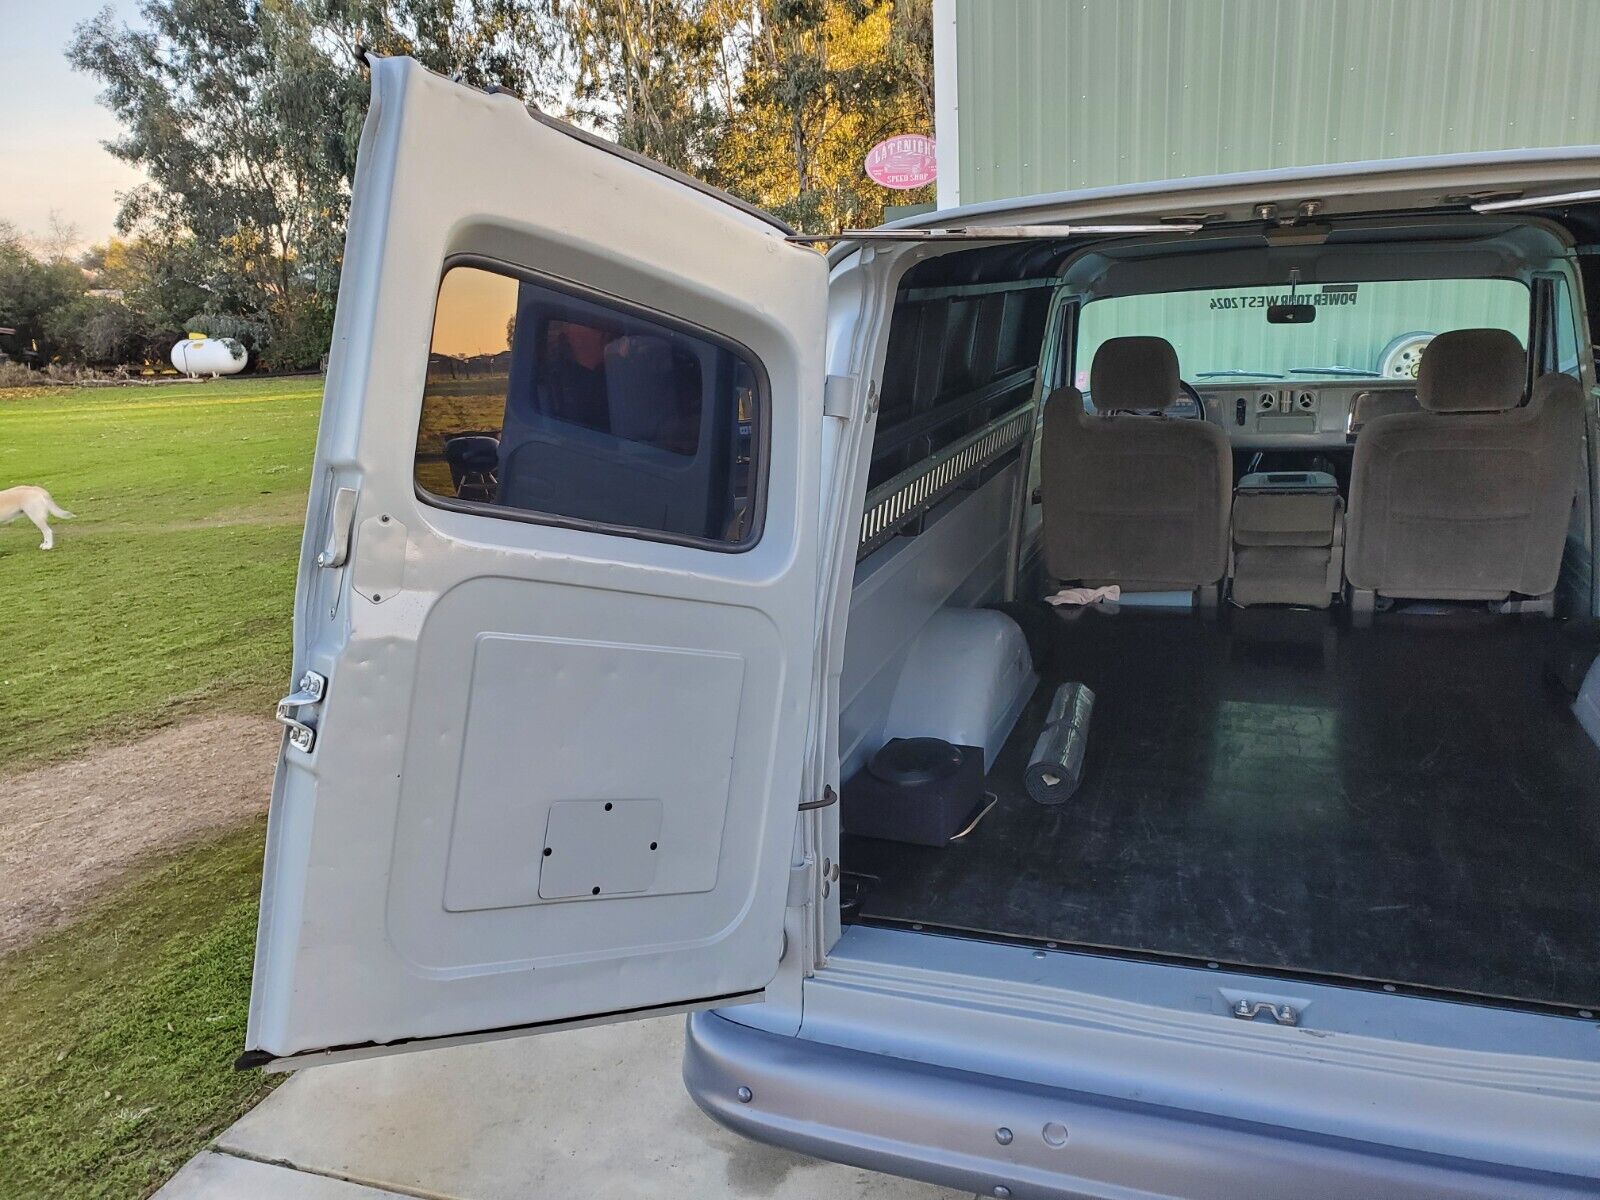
x=68, y=828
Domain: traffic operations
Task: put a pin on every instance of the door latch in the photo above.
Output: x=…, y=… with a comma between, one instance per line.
x=336, y=550
x=308, y=694
x=829, y=796
x=1248, y=1010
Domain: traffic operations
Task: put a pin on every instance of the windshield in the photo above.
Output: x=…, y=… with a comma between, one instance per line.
x=1360, y=331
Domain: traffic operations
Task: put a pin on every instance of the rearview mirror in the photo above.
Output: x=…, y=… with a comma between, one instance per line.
x=1291, y=314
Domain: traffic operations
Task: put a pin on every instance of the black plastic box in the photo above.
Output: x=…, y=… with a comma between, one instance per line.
x=917, y=790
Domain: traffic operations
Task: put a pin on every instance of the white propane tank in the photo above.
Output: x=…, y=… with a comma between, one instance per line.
x=196, y=356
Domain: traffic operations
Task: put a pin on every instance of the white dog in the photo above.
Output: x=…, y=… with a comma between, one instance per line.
x=35, y=504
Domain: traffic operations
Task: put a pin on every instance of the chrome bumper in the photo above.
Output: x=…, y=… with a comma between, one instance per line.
x=999, y=1137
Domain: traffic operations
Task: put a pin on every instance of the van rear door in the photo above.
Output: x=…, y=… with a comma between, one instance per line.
x=555, y=626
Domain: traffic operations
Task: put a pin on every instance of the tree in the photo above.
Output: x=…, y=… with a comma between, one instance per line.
x=910, y=52
x=775, y=100
x=32, y=287
x=823, y=81
x=246, y=117
x=163, y=279
x=645, y=70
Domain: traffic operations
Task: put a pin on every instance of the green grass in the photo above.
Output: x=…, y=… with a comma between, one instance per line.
x=117, y=1032
x=171, y=593
x=172, y=590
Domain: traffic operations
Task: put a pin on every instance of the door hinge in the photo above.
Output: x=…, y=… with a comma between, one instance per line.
x=297, y=705
x=801, y=886
x=839, y=396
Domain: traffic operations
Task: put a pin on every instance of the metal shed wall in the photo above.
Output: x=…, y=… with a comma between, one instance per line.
x=1058, y=94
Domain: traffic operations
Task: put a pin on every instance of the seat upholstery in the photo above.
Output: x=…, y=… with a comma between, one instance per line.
x=1288, y=547
x=1469, y=499
x=1139, y=501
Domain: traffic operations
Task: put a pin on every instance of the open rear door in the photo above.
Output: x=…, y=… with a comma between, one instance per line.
x=557, y=603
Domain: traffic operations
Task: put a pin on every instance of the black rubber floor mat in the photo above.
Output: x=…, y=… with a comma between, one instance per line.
x=1411, y=802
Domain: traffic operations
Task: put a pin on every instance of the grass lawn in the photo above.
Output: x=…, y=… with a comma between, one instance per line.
x=172, y=589
x=169, y=594
x=118, y=1032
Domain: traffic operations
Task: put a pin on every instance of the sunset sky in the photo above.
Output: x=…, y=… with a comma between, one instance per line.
x=51, y=127
x=473, y=309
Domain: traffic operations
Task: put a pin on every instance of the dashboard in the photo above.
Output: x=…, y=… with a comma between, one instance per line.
x=1320, y=414
x=1303, y=414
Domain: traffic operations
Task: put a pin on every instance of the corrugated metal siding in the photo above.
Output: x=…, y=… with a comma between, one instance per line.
x=1055, y=94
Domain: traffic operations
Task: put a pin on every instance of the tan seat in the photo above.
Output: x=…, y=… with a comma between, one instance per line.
x=1469, y=499
x=1139, y=501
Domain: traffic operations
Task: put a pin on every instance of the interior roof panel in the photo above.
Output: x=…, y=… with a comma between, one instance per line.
x=1482, y=246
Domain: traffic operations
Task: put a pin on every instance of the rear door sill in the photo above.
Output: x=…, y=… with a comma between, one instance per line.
x=1421, y=1076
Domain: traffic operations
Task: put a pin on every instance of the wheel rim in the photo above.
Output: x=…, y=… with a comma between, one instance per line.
x=1403, y=356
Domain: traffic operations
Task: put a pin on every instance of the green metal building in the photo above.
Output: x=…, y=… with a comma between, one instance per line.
x=1037, y=96
x=1046, y=95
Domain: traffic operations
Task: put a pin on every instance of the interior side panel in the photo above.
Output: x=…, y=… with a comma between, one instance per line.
x=956, y=561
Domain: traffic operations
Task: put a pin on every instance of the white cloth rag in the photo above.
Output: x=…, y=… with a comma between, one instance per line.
x=1085, y=595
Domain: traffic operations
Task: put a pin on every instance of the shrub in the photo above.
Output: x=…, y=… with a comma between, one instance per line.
x=300, y=336
x=97, y=329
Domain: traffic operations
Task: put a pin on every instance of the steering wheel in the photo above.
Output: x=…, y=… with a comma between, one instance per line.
x=1187, y=389
x=1199, y=404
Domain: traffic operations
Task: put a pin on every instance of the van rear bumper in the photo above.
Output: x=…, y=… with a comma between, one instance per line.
x=980, y=1133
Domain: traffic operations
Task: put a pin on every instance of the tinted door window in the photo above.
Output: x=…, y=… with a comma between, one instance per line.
x=541, y=404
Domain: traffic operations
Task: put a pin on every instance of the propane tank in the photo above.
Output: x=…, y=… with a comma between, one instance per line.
x=199, y=355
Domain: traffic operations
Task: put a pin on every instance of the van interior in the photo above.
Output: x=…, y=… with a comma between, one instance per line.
x=1226, y=599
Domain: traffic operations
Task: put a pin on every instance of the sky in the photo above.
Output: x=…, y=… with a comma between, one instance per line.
x=474, y=307
x=51, y=127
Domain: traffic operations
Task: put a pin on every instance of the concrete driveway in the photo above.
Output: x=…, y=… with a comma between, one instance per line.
x=599, y=1112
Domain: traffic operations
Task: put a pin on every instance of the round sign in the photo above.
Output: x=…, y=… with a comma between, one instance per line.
x=904, y=161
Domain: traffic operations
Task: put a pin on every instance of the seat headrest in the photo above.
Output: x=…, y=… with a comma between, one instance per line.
x=1066, y=399
x=1472, y=370
x=1134, y=372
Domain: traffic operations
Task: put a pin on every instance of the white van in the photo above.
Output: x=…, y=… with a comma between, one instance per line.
x=647, y=550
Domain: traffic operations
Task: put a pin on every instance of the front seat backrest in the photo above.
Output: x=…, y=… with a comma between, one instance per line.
x=1469, y=499
x=1139, y=501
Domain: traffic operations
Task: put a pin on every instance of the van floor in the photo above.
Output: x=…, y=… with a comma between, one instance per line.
x=1408, y=803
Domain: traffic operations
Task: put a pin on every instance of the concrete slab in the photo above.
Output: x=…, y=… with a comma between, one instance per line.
x=586, y=1112
x=211, y=1176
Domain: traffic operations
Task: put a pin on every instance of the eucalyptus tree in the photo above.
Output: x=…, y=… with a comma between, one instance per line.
x=647, y=72
x=822, y=82
x=245, y=117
